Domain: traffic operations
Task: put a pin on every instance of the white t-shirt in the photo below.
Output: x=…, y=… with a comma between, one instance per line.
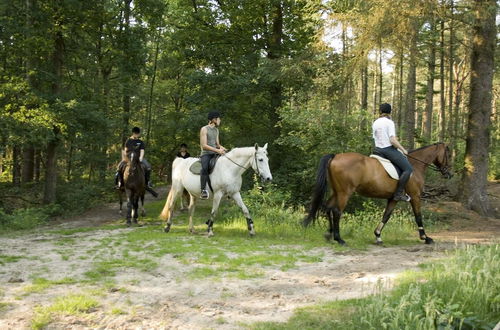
x=383, y=128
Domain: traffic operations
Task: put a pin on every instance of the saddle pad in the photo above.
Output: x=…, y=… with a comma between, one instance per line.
x=195, y=168
x=388, y=166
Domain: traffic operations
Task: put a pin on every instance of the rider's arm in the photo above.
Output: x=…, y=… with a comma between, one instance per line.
x=395, y=142
x=203, y=141
x=219, y=145
x=141, y=156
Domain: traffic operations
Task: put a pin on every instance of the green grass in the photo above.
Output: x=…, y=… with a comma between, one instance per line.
x=460, y=292
x=9, y=258
x=41, y=284
x=281, y=242
x=74, y=304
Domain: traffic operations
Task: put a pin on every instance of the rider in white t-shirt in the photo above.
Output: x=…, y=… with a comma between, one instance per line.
x=387, y=145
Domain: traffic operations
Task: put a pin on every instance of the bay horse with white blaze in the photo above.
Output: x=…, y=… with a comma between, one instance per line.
x=225, y=181
x=351, y=172
x=134, y=184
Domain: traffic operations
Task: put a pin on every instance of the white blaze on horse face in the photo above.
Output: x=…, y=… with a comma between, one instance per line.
x=261, y=164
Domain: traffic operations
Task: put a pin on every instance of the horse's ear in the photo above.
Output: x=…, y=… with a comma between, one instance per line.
x=256, y=146
x=265, y=146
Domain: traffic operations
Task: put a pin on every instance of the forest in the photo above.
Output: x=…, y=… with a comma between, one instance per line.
x=305, y=76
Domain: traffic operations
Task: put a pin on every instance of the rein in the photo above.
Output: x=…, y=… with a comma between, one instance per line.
x=432, y=166
x=243, y=167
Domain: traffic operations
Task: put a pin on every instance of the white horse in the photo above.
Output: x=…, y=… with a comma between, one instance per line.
x=225, y=180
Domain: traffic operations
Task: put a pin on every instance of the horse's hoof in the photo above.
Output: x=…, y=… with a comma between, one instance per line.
x=210, y=234
x=341, y=242
x=192, y=231
x=429, y=240
x=129, y=224
x=379, y=243
x=252, y=233
x=328, y=237
x=143, y=213
x=167, y=228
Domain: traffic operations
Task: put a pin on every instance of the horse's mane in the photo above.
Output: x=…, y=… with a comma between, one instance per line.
x=424, y=147
x=241, y=150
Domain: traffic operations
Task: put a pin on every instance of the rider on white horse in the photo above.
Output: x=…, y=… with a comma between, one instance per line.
x=210, y=147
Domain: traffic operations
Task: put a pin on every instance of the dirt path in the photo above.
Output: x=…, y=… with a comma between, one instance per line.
x=168, y=298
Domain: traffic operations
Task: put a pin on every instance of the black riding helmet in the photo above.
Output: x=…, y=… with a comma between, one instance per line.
x=136, y=130
x=385, y=108
x=213, y=115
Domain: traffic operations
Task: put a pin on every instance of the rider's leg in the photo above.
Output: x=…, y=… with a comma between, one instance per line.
x=147, y=172
x=205, y=162
x=119, y=175
x=398, y=159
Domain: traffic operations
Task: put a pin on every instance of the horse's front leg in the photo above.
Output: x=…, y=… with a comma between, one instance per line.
x=391, y=204
x=143, y=210
x=215, y=206
x=136, y=209
x=129, y=208
x=415, y=205
x=120, y=197
x=244, y=209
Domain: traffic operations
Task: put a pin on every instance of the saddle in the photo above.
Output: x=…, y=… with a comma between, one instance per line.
x=393, y=171
x=195, y=168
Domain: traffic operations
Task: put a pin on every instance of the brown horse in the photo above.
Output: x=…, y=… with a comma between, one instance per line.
x=352, y=172
x=134, y=184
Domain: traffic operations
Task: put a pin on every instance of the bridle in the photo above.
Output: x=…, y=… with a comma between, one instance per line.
x=246, y=168
x=444, y=170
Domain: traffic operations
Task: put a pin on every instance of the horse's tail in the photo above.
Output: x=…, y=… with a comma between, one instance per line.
x=320, y=189
x=166, y=209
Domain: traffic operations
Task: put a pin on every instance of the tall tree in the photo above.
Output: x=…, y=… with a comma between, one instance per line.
x=474, y=180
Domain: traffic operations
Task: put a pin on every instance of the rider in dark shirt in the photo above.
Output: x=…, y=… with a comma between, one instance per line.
x=134, y=142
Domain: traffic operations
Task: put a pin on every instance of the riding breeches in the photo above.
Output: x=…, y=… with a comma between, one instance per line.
x=399, y=160
x=205, y=163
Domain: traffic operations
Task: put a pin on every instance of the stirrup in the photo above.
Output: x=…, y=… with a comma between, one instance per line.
x=204, y=194
x=402, y=197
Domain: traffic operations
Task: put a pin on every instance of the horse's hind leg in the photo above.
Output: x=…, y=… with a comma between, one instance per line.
x=239, y=201
x=168, y=209
x=335, y=206
x=136, y=209
x=191, y=207
x=215, y=206
x=415, y=205
x=391, y=204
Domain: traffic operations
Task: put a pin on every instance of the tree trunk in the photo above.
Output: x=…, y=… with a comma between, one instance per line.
x=400, y=95
x=275, y=53
x=28, y=164
x=442, y=110
x=364, y=85
x=126, y=90
x=380, y=74
x=410, y=93
x=429, y=97
x=451, y=118
x=149, y=114
x=49, y=195
x=38, y=161
x=16, y=165
x=473, y=192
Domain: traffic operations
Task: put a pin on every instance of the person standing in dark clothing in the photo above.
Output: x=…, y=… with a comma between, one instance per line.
x=183, y=153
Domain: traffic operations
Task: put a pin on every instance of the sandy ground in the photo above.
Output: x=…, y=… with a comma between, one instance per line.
x=168, y=299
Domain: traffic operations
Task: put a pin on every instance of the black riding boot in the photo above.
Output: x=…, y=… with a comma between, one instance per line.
x=400, y=194
x=118, y=180
x=147, y=175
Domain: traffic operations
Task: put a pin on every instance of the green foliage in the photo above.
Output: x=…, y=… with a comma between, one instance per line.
x=27, y=218
x=459, y=292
